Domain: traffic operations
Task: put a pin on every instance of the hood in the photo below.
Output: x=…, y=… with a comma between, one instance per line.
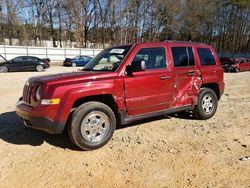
x=72, y=77
x=2, y=59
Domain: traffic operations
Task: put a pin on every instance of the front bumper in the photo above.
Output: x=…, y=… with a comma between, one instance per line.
x=37, y=119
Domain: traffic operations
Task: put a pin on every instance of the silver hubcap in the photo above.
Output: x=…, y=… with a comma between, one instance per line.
x=73, y=65
x=3, y=69
x=39, y=68
x=207, y=104
x=95, y=127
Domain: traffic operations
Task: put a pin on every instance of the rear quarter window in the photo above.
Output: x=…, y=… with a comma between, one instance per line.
x=206, y=57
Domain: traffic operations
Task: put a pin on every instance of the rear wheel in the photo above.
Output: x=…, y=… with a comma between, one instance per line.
x=3, y=69
x=73, y=64
x=39, y=68
x=237, y=70
x=207, y=104
x=92, y=126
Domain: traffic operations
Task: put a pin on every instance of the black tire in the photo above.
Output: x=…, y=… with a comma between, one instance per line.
x=80, y=137
x=39, y=68
x=205, y=99
x=4, y=69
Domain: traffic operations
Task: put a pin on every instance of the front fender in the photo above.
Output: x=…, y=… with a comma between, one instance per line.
x=78, y=91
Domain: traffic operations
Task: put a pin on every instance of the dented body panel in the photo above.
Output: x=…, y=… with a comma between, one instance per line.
x=145, y=92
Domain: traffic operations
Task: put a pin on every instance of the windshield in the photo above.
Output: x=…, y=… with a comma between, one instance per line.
x=108, y=60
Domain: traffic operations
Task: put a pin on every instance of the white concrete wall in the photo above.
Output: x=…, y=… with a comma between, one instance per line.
x=55, y=54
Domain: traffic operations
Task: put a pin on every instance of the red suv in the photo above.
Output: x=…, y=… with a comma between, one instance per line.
x=121, y=85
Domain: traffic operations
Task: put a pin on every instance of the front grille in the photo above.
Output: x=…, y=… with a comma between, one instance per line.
x=27, y=94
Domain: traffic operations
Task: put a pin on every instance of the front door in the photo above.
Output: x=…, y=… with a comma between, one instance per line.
x=17, y=64
x=150, y=90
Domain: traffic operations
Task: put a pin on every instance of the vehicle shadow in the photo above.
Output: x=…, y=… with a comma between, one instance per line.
x=183, y=115
x=13, y=131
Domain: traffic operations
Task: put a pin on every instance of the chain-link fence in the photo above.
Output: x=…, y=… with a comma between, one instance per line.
x=234, y=55
x=55, y=54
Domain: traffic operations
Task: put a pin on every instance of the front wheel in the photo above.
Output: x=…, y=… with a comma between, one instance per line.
x=73, y=64
x=3, y=69
x=39, y=68
x=92, y=126
x=207, y=104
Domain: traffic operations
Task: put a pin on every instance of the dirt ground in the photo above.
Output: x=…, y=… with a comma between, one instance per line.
x=169, y=151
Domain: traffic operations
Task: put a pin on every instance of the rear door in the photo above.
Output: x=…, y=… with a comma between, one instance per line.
x=150, y=90
x=187, y=78
x=28, y=63
x=31, y=63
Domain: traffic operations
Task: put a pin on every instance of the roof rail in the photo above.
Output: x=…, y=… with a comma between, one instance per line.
x=183, y=41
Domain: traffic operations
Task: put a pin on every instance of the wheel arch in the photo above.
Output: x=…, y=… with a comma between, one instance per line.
x=213, y=86
x=107, y=99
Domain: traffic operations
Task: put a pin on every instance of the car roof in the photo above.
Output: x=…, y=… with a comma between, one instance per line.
x=27, y=56
x=168, y=43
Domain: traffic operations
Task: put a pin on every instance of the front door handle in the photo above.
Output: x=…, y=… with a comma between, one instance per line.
x=165, y=77
x=191, y=73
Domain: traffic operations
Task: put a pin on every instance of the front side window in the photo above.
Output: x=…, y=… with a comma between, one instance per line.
x=154, y=58
x=183, y=56
x=108, y=60
x=206, y=56
x=18, y=59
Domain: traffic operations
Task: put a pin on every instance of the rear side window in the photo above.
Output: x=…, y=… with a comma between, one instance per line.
x=183, y=56
x=154, y=58
x=206, y=56
x=29, y=59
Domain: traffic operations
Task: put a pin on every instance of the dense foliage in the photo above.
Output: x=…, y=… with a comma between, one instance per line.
x=223, y=23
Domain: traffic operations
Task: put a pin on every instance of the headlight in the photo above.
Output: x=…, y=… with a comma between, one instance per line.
x=38, y=93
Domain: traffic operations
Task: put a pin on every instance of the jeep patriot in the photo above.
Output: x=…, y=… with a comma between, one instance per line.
x=124, y=84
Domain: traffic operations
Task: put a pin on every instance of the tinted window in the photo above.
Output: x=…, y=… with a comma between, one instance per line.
x=154, y=58
x=33, y=59
x=206, y=56
x=29, y=59
x=183, y=56
x=18, y=59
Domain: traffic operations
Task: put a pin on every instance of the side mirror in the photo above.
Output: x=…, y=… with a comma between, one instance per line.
x=136, y=66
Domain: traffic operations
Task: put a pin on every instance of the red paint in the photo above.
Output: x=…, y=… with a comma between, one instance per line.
x=243, y=64
x=142, y=93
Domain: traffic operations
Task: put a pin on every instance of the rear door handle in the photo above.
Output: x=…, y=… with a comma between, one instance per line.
x=165, y=77
x=191, y=73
